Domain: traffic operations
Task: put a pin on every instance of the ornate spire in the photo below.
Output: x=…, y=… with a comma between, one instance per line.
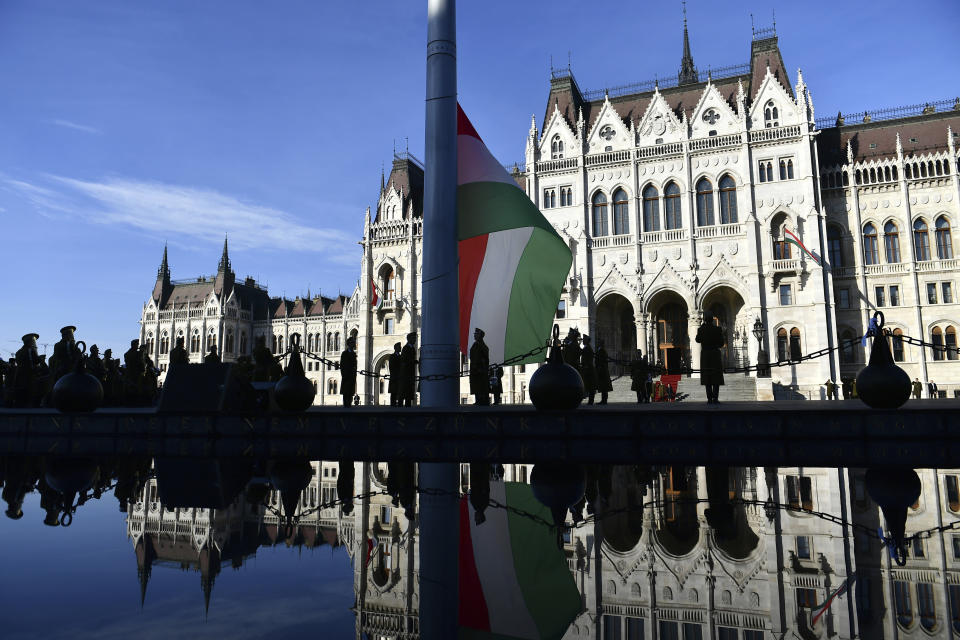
x=224, y=265
x=163, y=273
x=899, y=146
x=688, y=72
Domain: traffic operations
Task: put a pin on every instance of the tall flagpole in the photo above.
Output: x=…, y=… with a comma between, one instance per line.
x=439, y=354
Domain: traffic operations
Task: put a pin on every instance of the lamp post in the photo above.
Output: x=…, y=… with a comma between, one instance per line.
x=763, y=361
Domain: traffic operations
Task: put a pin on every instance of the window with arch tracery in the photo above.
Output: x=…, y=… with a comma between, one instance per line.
x=164, y=342
x=195, y=341
x=621, y=213
x=599, y=214
x=704, y=203
x=556, y=148
x=891, y=242
x=228, y=342
x=936, y=337
x=950, y=342
x=389, y=284
x=870, y=244
x=835, y=246
x=896, y=345
x=944, y=242
x=243, y=343
x=211, y=339
x=671, y=207
x=150, y=343
x=728, y=200
x=651, y=209
x=921, y=240
x=279, y=344
x=904, y=608
x=336, y=341
x=771, y=116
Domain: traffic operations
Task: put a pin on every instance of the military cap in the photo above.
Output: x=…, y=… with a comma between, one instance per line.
x=26, y=338
x=69, y=327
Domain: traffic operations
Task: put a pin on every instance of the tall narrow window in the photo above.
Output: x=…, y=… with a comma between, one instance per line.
x=228, y=342
x=952, y=488
x=955, y=606
x=671, y=207
x=835, y=246
x=783, y=346
x=728, y=200
x=786, y=295
x=931, y=293
x=946, y=292
x=847, y=354
x=950, y=342
x=651, y=209
x=901, y=591
x=880, y=295
x=599, y=215
x=243, y=343
x=896, y=341
x=921, y=240
x=936, y=337
x=944, y=244
x=795, y=351
x=621, y=213
x=556, y=148
x=800, y=492
x=771, y=117
x=925, y=606
x=781, y=250
x=790, y=169
x=704, y=203
x=783, y=169
x=870, y=244
x=891, y=242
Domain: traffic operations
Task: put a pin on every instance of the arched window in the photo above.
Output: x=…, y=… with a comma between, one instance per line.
x=894, y=172
x=556, y=148
x=211, y=338
x=921, y=240
x=783, y=345
x=795, y=351
x=150, y=343
x=847, y=353
x=846, y=179
x=925, y=606
x=930, y=168
x=835, y=246
x=195, y=341
x=771, y=118
x=896, y=344
x=950, y=336
x=228, y=342
x=599, y=214
x=873, y=174
x=672, y=216
x=870, y=244
x=946, y=167
x=944, y=243
x=651, y=209
x=936, y=337
x=783, y=169
x=336, y=341
x=901, y=594
x=728, y=200
x=164, y=342
x=704, y=203
x=621, y=213
x=243, y=343
x=891, y=242
x=886, y=174
x=790, y=169
x=279, y=344
x=389, y=284
x=939, y=168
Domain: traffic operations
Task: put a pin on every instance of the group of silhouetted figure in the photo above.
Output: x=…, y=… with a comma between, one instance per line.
x=28, y=379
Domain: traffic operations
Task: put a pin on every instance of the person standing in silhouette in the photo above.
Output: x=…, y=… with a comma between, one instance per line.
x=496, y=384
x=348, y=372
x=917, y=388
x=588, y=369
x=640, y=378
x=212, y=356
x=65, y=354
x=604, y=384
x=28, y=362
x=408, y=359
x=393, y=386
x=480, y=369
x=710, y=337
x=178, y=355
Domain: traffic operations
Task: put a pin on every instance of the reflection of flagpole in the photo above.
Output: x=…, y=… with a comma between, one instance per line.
x=439, y=524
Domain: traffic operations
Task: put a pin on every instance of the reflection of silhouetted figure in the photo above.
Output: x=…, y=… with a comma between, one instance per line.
x=44, y=381
x=408, y=361
x=480, y=369
x=639, y=377
x=496, y=385
x=50, y=502
x=393, y=385
x=27, y=364
x=407, y=489
x=348, y=372
x=604, y=384
x=7, y=394
x=212, y=356
x=178, y=355
x=588, y=369
x=479, y=490
x=20, y=478
x=710, y=337
x=65, y=354
x=345, y=486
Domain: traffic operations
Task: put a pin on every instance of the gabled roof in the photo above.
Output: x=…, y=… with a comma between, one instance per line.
x=929, y=131
x=406, y=177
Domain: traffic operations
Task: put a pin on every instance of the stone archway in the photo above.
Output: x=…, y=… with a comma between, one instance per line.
x=381, y=392
x=728, y=309
x=670, y=339
x=617, y=329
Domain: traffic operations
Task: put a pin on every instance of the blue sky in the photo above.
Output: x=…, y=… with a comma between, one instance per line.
x=124, y=125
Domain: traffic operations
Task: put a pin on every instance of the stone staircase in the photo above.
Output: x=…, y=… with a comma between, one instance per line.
x=737, y=387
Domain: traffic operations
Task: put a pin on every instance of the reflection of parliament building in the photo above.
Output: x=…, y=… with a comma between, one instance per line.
x=676, y=198
x=658, y=568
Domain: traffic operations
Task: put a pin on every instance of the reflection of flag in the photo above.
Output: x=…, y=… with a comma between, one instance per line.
x=374, y=297
x=821, y=609
x=371, y=545
x=790, y=237
x=512, y=262
x=514, y=581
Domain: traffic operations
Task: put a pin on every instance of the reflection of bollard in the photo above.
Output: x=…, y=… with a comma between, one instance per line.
x=559, y=487
x=294, y=392
x=882, y=384
x=68, y=477
x=78, y=391
x=556, y=385
x=290, y=477
x=895, y=490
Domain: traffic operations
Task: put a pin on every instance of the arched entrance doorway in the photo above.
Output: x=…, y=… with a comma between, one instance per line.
x=617, y=329
x=381, y=393
x=727, y=308
x=671, y=342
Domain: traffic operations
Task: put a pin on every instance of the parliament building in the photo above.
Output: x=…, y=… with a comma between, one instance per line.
x=717, y=192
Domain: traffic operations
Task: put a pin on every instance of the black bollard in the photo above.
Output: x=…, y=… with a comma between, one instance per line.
x=556, y=385
x=895, y=490
x=882, y=384
x=559, y=487
x=294, y=392
x=78, y=391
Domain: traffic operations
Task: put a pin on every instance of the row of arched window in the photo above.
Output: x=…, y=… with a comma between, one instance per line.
x=944, y=337
x=875, y=175
x=788, y=344
x=195, y=344
x=928, y=169
x=891, y=241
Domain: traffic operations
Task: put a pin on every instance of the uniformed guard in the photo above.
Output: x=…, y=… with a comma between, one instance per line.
x=178, y=355
x=588, y=369
x=348, y=372
x=65, y=354
x=640, y=378
x=94, y=364
x=480, y=369
x=604, y=383
x=27, y=364
x=710, y=337
x=212, y=356
x=496, y=385
x=408, y=359
x=393, y=386
x=571, y=349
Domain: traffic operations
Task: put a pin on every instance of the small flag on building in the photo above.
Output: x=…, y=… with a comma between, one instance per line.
x=821, y=609
x=512, y=262
x=790, y=236
x=374, y=298
x=514, y=581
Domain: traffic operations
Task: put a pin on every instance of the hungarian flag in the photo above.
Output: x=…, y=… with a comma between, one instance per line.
x=514, y=581
x=374, y=299
x=821, y=609
x=790, y=236
x=512, y=262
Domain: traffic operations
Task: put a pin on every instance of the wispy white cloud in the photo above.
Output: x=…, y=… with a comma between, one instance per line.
x=191, y=213
x=76, y=127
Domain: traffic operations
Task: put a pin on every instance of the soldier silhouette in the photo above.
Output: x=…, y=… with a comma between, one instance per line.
x=604, y=384
x=393, y=386
x=178, y=355
x=94, y=364
x=212, y=356
x=640, y=378
x=480, y=369
x=588, y=370
x=571, y=349
x=65, y=354
x=710, y=337
x=408, y=360
x=348, y=372
x=28, y=363
x=496, y=385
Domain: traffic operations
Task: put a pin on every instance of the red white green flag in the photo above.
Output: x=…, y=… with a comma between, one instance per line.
x=514, y=581
x=790, y=236
x=512, y=262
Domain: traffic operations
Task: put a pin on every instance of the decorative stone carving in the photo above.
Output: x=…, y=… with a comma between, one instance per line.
x=677, y=252
x=652, y=255
x=708, y=250
x=624, y=257
x=733, y=248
